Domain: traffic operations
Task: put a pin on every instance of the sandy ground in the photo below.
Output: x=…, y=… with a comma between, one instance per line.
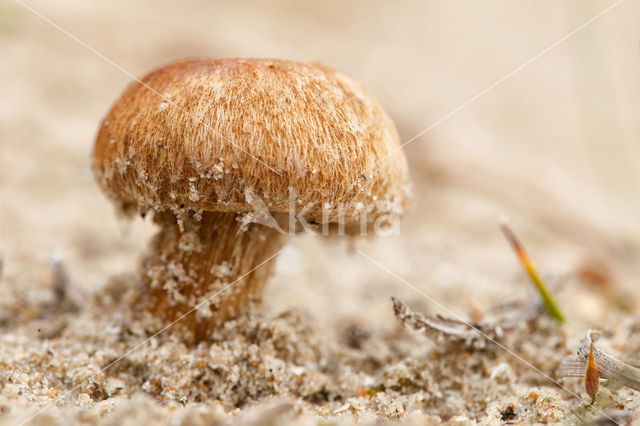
x=555, y=147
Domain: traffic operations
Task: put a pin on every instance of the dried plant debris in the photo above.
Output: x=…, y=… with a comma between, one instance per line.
x=591, y=375
x=60, y=284
x=44, y=307
x=611, y=418
x=607, y=366
x=472, y=334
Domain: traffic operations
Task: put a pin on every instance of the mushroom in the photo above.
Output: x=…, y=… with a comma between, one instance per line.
x=229, y=155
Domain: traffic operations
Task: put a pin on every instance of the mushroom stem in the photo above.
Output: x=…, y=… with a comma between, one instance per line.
x=210, y=260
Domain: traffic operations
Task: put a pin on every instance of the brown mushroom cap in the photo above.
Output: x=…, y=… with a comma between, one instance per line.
x=202, y=133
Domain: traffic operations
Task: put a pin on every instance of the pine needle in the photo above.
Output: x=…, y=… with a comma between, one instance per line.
x=549, y=303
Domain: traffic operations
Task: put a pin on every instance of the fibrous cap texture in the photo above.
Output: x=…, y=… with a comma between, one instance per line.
x=211, y=134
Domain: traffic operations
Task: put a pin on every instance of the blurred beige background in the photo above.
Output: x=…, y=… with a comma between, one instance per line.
x=556, y=146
